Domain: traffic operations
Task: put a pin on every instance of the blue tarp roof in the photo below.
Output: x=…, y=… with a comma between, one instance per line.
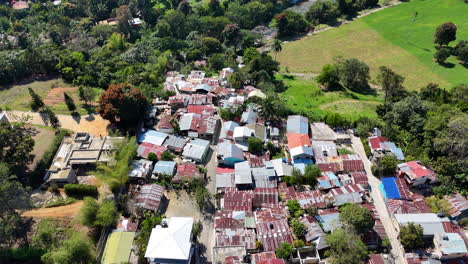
x=390, y=188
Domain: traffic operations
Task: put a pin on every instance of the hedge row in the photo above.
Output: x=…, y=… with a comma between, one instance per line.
x=80, y=189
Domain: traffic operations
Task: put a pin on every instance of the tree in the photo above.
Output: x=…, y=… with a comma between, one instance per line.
x=16, y=145
x=329, y=77
x=445, y=34
x=197, y=229
x=461, y=51
x=232, y=35
x=389, y=164
x=211, y=45
x=89, y=211
x=290, y=23
x=122, y=104
x=323, y=12
x=217, y=61
x=106, y=215
x=87, y=94
x=69, y=102
x=346, y=247
x=115, y=173
x=250, y=54
x=152, y=157
x=311, y=173
x=203, y=198
x=442, y=54
x=36, y=101
x=392, y=83
x=167, y=156
x=360, y=218
x=272, y=107
x=354, y=74
x=284, y=251
x=13, y=198
x=438, y=205
x=298, y=228
x=411, y=236
x=255, y=145
x=53, y=119
x=276, y=46
x=295, y=208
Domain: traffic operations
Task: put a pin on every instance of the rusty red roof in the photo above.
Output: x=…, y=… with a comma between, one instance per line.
x=403, y=188
x=271, y=261
x=375, y=259
x=265, y=215
x=149, y=196
x=255, y=258
x=360, y=177
x=458, y=204
x=314, y=230
x=204, y=110
x=164, y=123
x=238, y=200
x=286, y=193
x=146, y=148
x=236, y=238
x=352, y=163
x=232, y=260
x=265, y=196
x=347, y=189
x=375, y=142
x=224, y=170
x=187, y=171
x=273, y=234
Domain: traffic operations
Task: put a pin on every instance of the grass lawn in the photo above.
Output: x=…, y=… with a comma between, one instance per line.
x=389, y=38
x=305, y=95
x=43, y=138
x=51, y=91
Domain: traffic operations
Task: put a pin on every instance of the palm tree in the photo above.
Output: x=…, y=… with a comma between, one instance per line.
x=115, y=173
x=276, y=46
x=272, y=107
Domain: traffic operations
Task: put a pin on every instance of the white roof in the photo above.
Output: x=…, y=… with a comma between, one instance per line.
x=281, y=168
x=228, y=126
x=249, y=117
x=431, y=223
x=300, y=151
x=139, y=168
x=171, y=242
x=228, y=150
x=153, y=137
x=243, y=173
x=243, y=131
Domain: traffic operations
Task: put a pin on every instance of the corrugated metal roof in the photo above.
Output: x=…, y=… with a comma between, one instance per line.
x=228, y=150
x=352, y=163
x=118, y=247
x=196, y=149
x=236, y=237
x=186, y=172
x=302, y=150
x=145, y=148
x=175, y=143
x=225, y=180
x=189, y=121
x=297, y=124
x=273, y=234
x=431, y=223
x=238, y=200
x=265, y=215
x=458, y=204
x=321, y=131
x=324, y=148
x=153, y=137
x=329, y=221
x=149, y=196
x=249, y=117
x=164, y=167
x=281, y=168
x=314, y=230
x=298, y=140
x=347, y=189
x=243, y=173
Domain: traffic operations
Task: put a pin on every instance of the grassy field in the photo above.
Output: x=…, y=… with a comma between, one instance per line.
x=51, y=91
x=305, y=95
x=389, y=38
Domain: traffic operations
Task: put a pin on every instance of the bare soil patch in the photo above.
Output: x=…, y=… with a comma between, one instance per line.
x=60, y=212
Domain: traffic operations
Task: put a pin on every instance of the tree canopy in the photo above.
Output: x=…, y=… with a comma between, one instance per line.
x=360, y=218
x=411, y=236
x=346, y=247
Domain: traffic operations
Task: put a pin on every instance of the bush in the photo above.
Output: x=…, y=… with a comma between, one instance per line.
x=255, y=145
x=442, y=55
x=21, y=255
x=167, y=156
x=60, y=202
x=80, y=190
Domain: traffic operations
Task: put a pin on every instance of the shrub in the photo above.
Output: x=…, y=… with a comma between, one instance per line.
x=80, y=189
x=167, y=156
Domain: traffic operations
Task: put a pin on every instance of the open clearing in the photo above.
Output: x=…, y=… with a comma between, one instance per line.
x=17, y=97
x=43, y=138
x=304, y=95
x=60, y=212
x=389, y=38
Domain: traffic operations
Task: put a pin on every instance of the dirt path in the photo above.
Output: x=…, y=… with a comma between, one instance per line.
x=59, y=212
x=397, y=251
x=93, y=124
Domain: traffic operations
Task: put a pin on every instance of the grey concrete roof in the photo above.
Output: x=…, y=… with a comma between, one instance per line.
x=298, y=124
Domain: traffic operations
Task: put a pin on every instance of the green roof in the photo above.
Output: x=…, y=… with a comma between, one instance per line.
x=118, y=247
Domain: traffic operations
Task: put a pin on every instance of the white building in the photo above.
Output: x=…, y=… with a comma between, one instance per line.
x=171, y=241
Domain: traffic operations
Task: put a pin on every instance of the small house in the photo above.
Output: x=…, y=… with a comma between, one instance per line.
x=322, y=132
x=153, y=137
x=139, y=169
x=297, y=124
x=149, y=197
x=196, y=150
x=243, y=175
x=415, y=173
x=163, y=167
x=229, y=153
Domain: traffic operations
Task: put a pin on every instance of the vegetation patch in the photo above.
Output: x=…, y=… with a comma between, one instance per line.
x=388, y=37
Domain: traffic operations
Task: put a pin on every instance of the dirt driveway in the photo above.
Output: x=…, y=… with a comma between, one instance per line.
x=93, y=124
x=59, y=212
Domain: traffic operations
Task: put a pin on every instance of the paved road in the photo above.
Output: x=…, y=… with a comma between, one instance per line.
x=397, y=251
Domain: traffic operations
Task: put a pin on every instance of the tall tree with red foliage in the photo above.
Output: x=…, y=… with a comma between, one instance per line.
x=122, y=105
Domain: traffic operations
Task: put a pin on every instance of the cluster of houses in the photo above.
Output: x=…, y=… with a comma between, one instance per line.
x=252, y=217
x=404, y=197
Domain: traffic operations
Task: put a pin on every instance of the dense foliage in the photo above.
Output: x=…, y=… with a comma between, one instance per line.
x=346, y=247
x=358, y=217
x=80, y=189
x=411, y=236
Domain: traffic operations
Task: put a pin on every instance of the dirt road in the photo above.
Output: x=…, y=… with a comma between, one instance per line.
x=397, y=251
x=93, y=124
x=59, y=212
